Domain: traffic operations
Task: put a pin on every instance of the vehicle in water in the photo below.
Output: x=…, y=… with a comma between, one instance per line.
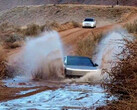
x=89, y=22
x=78, y=66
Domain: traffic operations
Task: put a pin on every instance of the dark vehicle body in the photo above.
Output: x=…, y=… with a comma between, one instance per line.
x=78, y=66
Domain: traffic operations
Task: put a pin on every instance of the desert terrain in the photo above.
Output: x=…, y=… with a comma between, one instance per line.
x=68, y=19
x=4, y=5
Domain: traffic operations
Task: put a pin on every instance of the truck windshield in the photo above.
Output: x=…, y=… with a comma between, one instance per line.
x=89, y=19
x=79, y=61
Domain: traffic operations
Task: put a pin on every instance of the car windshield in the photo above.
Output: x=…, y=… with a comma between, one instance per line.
x=79, y=61
x=89, y=19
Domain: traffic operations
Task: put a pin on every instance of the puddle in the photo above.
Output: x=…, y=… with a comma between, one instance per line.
x=19, y=81
x=71, y=96
x=25, y=92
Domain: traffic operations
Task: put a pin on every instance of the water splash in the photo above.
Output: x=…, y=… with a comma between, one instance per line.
x=111, y=45
x=42, y=57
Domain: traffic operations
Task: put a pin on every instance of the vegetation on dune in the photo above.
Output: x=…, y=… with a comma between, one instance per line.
x=13, y=36
x=62, y=27
x=4, y=27
x=31, y=30
x=35, y=29
x=13, y=41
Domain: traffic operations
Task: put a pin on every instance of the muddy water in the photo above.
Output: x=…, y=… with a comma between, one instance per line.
x=66, y=95
x=72, y=96
x=40, y=57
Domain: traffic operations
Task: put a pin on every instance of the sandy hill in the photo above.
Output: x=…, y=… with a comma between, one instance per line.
x=8, y=4
x=40, y=14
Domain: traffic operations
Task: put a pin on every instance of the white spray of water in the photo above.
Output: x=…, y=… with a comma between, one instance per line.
x=111, y=45
x=92, y=77
x=42, y=57
x=107, y=49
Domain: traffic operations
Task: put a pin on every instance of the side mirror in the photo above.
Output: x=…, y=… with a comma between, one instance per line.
x=95, y=65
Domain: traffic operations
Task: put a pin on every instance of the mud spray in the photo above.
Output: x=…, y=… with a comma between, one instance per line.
x=42, y=57
x=106, y=52
x=109, y=47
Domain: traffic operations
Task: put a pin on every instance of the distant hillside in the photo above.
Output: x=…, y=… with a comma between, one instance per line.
x=62, y=13
x=8, y=4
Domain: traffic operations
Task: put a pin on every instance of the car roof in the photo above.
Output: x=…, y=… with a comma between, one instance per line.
x=89, y=18
x=66, y=58
x=77, y=57
x=82, y=57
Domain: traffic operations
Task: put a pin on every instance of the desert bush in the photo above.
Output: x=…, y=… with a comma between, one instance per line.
x=61, y=27
x=124, y=78
x=13, y=38
x=13, y=41
x=7, y=27
x=46, y=26
x=6, y=70
x=125, y=70
x=75, y=24
x=31, y=30
x=3, y=63
x=13, y=45
x=55, y=25
x=87, y=46
x=50, y=25
x=132, y=27
x=65, y=26
x=34, y=29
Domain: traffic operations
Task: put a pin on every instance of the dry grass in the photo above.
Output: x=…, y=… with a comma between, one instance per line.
x=31, y=30
x=34, y=29
x=65, y=26
x=12, y=37
x=75, y=24
x=6, y=70
x=87, y=46
x=3, y=63
x=124, y=82
x=132, y=27
x=125, y=71
x=6, y=27
x=12, y=41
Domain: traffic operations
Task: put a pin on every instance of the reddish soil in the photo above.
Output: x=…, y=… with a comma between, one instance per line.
x=69, y=38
